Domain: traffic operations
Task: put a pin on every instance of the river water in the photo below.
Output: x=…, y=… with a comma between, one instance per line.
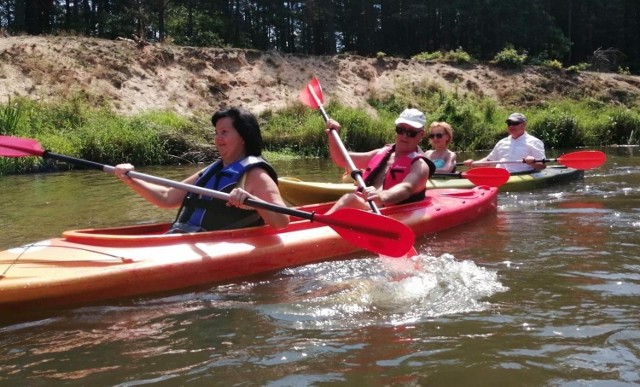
x=545, y=292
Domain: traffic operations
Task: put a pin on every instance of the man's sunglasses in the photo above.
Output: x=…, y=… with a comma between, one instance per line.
x=436, y=135
x=512, y=123
x=409, y=133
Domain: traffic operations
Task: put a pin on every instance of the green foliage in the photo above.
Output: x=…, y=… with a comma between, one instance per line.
x=9, y=117
x=162, y=137
x=454, y=56
x=509, y=58
x=428, y=56
x=361, y=132
x=578, y=67
x=296, y=129
x=552, y=64
x=458, y=56
x=557, y=129
x=479, y=122
x=397, y=28
x=389, y=103
x=569, y=124
x=117, y=24
x=198, y=29
x=73, y=128
x=552, y=41
x=623, y=70
x=301, y=130
x=621, y=128
x=109, y=139
x=539, y=59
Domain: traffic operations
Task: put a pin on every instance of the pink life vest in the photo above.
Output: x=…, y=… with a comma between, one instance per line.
x=397, y=172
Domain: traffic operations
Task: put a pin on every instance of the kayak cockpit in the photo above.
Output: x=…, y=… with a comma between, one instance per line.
x=155, y=233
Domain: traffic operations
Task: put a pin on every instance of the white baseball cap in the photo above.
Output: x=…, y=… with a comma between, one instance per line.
x=516, y=117
x=413, y=117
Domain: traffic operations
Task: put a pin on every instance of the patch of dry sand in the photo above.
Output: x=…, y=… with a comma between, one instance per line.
x=189, y=80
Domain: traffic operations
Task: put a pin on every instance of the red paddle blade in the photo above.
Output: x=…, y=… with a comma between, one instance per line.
x=583, y=159
x=411, y=253
x=492, y=177
x=307, y=94
x=19, y=147
x=376, y=233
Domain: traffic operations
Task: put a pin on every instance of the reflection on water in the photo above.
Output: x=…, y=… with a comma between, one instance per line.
x=544, y=293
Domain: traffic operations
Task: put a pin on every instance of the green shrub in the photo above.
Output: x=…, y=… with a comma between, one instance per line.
x=623, y=70
x=454, y=56
x=578, y=67
x=429, y=56
x=509, y=58
x=552, y=64
x=10, y=115
x=458, y=56
x=297, y=129
x=557, y=129
x=361, y=132
x=621, y=128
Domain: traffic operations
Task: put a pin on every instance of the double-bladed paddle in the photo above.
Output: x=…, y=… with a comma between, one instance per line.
x=576, y=160
x=379, y=234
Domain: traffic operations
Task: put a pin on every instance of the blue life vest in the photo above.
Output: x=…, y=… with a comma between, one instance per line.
x=204, y=213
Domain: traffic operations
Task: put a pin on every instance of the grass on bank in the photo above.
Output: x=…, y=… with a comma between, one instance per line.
x=76, y=128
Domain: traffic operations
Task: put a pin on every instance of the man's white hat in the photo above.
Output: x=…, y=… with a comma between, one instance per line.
x=413, y=117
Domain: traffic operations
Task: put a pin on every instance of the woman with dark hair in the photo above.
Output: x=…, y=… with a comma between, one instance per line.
x=240, y=171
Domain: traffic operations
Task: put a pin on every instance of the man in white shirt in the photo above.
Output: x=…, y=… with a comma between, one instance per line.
x=520, y=145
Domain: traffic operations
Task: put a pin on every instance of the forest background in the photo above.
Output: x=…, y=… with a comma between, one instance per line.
x=136, y=79
x=566, y=30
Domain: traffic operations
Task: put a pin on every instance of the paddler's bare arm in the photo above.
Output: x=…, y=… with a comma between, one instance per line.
x=360, y=159
x=161, y=196
x=259, y=186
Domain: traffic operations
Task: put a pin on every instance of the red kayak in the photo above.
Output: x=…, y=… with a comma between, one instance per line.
x=85, y=266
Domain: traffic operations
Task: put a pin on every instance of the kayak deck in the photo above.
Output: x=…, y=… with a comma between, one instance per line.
x=99, y=264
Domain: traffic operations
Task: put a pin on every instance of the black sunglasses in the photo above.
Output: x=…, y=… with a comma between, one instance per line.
x=512, y=123
x=436, y=135
x=409, y=133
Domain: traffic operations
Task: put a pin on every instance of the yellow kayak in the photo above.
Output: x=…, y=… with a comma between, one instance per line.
x=298, y=192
